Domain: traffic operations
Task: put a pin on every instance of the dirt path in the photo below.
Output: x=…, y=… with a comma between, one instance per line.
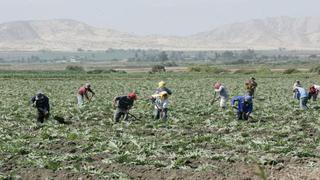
x=91, y=66
x=222, y=171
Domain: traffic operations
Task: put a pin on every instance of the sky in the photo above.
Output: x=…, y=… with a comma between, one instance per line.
x=165, y=17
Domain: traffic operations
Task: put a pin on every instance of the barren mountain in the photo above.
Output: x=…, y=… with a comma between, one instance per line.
x=270, y=33
x=292, y=33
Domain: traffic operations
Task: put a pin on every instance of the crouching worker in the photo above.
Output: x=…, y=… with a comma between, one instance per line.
x=41, y=102
x=313, y=92
x=302, y=96
x=123, y=105
x=245, y=106
x=161, y=104
x=83, y=92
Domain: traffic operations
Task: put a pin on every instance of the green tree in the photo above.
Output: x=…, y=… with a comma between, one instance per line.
x=163, y=56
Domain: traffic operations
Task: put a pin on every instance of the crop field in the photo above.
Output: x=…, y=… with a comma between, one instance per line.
x=199, y=141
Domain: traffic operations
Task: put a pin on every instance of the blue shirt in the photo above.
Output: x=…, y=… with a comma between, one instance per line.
x=302, y=92
x=242, y=105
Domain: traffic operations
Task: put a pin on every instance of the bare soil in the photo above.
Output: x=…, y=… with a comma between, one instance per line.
x=287, y=169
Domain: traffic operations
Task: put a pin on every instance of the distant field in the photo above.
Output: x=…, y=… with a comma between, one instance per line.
x=136, y=67
x=198, y=142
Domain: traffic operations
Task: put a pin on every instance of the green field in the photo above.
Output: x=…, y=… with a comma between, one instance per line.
x=199, y=141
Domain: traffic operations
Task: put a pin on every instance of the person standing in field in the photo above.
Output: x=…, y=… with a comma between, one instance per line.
x=123, y=105
x=83, y=92
x=250, y=86
x=161, y=104
x=313, y=92
x=223, y=93
x=302, y=96
x=162, y=87
x=41, y=102
x=245, y=106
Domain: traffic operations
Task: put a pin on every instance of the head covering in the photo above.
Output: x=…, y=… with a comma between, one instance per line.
x=217, y=85
x=132, y=96
x=87, y=85
x=161, y=84
x=297, y=83
x=252, y=78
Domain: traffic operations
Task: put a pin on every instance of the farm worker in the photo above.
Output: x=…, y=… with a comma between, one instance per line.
x=41, y=102
x=250, y=86
x=162, y=87
x=83, y=92
x=123, y=105
x=313, y=92
x=161, y=104
x=245, y=106
x=296, y=94
x=302, y=96
x=219, y=88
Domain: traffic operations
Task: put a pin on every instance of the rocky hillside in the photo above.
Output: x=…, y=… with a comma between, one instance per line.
x=270, y=33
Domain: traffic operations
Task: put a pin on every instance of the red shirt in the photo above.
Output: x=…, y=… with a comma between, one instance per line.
x=82, y=91
x=313, y=90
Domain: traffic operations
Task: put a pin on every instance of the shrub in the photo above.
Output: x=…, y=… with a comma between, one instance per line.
x=105, y=71
x=206, y=69
x=264, y=70
x=291, y=71
x=158, y=68
x=194, y=69
x=245, y=71
x=74, y=68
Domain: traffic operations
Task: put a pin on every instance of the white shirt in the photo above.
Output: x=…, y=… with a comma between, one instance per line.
x=161, y=104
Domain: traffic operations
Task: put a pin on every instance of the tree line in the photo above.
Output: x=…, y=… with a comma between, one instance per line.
x=159, y=56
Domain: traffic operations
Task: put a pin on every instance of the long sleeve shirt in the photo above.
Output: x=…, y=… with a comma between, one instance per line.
x=83, y=91
x=242, y=105
x=124, y=102
x=161, y=103
x=42, y=104
x=302, y=92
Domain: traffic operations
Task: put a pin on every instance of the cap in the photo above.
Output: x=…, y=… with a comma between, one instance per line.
x=132, y=96
x=161, y=84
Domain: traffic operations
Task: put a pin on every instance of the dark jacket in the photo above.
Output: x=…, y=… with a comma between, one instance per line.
x=41, y=103
x=124, y=102
x=163, y=89
x=242, y=105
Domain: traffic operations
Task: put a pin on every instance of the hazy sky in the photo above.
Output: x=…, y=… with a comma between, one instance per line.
x=170, y=17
